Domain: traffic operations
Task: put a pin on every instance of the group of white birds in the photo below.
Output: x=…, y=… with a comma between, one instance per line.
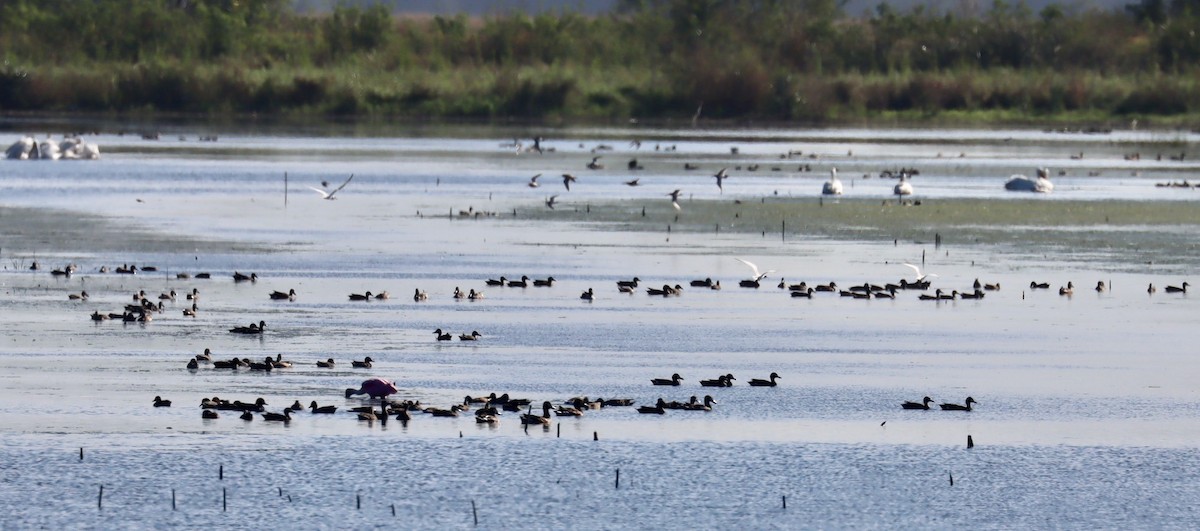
x=1016, y=183
x=71, y=148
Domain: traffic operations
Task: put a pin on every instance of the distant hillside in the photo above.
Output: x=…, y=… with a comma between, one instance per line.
x=853, y=7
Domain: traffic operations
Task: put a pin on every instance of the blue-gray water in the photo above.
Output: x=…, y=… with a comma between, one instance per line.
x=1087, y=412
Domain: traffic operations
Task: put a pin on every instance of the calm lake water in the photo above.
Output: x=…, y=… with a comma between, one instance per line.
x=1088, y=412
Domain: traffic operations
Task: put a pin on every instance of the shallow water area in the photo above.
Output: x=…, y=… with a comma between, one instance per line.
x=1087, y=411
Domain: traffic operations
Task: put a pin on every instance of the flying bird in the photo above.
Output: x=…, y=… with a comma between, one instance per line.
x=633, y=182
x=567, y=180
x=550, y=202
x=533, y=181
x=917, y=270
x=595, y=164
x=757, y=275
x=675, y=199
x=721, y=176
x=329, y=195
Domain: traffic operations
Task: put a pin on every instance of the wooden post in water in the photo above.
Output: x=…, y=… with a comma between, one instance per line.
x=474, y=513
x=970, y=442
x=221, y=473
x=285, y=189
x=100, y=498
x=358, y=501
x=595, y=436
x=783, y=230
x=785, y=501
x=81, y=453
x=172, y=499
x=617, y=483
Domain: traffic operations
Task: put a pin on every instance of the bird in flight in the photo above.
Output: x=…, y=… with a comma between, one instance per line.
x=757, y=275
x=917, y=270
x=550, y=202
x=567, y=180
x=329, y=195
x=721, y=176
x=533, y=181
x=675, y=199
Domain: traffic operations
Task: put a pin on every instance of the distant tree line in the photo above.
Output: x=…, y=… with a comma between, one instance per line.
x=773, y=59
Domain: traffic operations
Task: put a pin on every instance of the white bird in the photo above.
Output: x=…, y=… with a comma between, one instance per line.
x=329, y=195
x=21, y=149
x=757, y=275
x=917, y=270
x=550, y=202
x=833, y=186
x=903, y=188
x=675, y=199
x=1021, y=183
x=533, y=181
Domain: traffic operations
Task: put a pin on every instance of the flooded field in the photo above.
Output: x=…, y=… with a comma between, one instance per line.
x=1087, y=410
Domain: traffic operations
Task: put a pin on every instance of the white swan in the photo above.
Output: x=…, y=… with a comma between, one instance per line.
x=48, y=150
x=329, y=195
x=21, y=149
x=1021, y=183
x=833, y=186
x=903, y=188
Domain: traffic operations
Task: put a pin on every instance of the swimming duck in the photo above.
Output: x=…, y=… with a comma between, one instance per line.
x=1175, y=289
x=195, y=294
x=159, y=402
x=616, y=402
x=442, y=336
x=328, y=364
x=363, y=297
x=278, y=363
x=280, y=296
x=832, y=286
x=296, y=406
x=473, y=336
x=459, y=294
x=83, y=295
x=706, y=283
x=629, y=283
x=538, y=420
x=97, y=316
x=1039, y=285
x=1068, y=290
x=322, y=409
x=266, y=365
x=239, y=277
x=209, y=414
x=493, y=282
x=364, y=364
x=694, y=406
x=284, y=417
x=588, y=295
x=474, y=295
x=190, y=312
x=419, y=295
x=758, y=382
x=167, y=296
x=673, y=380
x=564, y=411
x=523, y=283
x=246, y=415
x=1100, y=287
x=720, y=381
x=252, y=329
x=923, y=404
x=383, y=296
x=1151, y=289
x=192, y=365
x=956, y=407
x=549, y=281
x=658, y=408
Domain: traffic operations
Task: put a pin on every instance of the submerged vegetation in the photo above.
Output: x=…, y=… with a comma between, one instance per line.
x=666, y=59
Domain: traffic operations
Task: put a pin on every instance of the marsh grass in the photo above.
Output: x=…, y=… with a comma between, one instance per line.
x=1130, y=232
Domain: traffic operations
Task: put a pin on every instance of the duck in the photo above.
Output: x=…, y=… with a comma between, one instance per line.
x=588, y=295
x=442, y=336
x=252, y=329
x=419, y=295
x=706, y=283
x=923, y=404
x=459, y=294
x=195, y=294
x=673, y=380
x=328, y=364
x=209, y=414
x=473, y=336
x=159, y=402
x=1151, y=289
x=616, y=402
x=278, y=363
x=284, y=417
x=246, y=415
x=239, y=277
x=1176, y=289
x=326, y=410
x=957, y=407
x=192, y=365
x=716, y=286
x=97, y=316
x=1100, y=287
x=830, y=287
x=167, y=296
x=658, y=408
x=383, y=296
x=266, y=365
x=720, y=381
x=190, y=312
x=547, y=282
x=364, y=364
x=629, y=283
x=757, y=382
x=474, y=295
x=363, y=297
x=83, y=295
x=281, y=296
x=530, y=419
x=1067, y=290
x=568, y=411
x=296, y=406
x=493, y=282
x=523, y=283
x=205, y=357
x=695, y=406
x=1039, y=285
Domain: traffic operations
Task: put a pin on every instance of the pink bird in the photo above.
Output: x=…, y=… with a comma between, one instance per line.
x=374, y=387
